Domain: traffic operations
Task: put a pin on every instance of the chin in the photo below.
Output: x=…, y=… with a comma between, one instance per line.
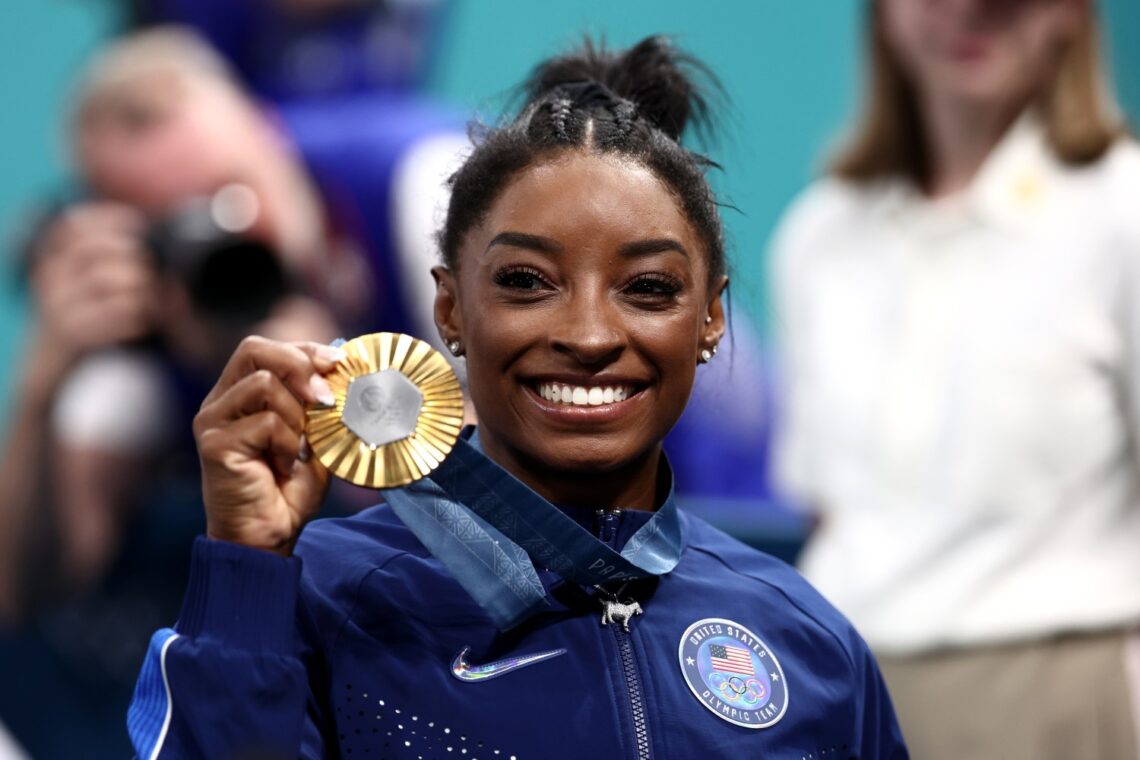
x=588, y=456
x=984, y=84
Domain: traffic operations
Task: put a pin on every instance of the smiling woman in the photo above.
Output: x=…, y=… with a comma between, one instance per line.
x=539, y=595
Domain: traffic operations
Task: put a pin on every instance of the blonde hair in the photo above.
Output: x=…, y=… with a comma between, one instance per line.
x=1080, y=115
x=174, y=49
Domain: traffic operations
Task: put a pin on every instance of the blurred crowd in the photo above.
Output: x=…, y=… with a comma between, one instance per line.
x=956, y=406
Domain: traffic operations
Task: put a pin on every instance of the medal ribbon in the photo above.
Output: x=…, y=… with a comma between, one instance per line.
x=489, y=529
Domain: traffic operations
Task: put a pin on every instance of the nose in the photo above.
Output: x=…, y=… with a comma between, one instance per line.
x=589, y=330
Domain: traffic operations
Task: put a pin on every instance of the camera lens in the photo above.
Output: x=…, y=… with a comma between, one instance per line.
x=237, y=280
x=231, y=278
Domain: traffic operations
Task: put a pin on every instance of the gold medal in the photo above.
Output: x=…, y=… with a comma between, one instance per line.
x=399, y=409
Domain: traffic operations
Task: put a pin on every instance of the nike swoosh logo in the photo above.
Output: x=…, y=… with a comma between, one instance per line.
x=469, y=673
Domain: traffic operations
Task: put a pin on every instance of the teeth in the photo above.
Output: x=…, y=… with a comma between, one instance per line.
x=579, y=395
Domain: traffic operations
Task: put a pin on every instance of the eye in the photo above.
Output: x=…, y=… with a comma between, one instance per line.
x=139, y=114
x=520, y=278
x=654, y=286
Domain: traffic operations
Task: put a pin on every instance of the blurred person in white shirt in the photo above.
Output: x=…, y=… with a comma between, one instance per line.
x=959, y=309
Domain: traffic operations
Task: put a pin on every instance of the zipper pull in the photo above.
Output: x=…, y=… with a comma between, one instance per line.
x=607, y=524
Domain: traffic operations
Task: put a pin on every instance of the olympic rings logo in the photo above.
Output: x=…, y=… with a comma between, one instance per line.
x=749, y=692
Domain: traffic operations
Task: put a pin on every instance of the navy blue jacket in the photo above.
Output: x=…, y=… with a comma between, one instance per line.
x=347, y=650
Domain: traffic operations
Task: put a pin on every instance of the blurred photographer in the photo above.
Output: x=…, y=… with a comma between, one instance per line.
x=201, y=222
x=202, y=229
x=199, y=226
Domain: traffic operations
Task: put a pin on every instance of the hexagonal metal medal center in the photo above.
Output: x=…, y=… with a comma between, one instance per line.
x=382, y=407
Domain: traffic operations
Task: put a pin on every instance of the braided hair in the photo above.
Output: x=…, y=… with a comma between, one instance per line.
x=635, y=104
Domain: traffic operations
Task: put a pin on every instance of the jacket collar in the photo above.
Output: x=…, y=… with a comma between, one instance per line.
x=1009, y=191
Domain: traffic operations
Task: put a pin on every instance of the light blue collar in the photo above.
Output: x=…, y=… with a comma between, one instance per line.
x=490, y=529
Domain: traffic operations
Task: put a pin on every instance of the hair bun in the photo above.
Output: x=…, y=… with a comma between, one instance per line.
x=660, y=80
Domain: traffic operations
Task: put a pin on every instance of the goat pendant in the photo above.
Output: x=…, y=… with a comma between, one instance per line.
x=614, y=611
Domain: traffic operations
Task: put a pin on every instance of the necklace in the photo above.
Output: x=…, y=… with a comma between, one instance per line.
x=616, y=611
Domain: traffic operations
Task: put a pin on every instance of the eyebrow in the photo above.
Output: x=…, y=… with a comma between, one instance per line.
x=523, y=240
x=650, y=247
x=635, y=249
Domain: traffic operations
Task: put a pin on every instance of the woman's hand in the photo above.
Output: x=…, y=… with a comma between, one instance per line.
x=258, y=482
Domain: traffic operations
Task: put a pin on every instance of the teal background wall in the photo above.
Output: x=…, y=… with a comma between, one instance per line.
x=791, y=68
x=42, y=44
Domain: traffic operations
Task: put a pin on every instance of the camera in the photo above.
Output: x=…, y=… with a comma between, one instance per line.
x=232, y=278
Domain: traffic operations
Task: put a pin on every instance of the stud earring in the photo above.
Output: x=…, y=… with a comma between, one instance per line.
x=454, y=347
x=708, y=320
x=706, y=356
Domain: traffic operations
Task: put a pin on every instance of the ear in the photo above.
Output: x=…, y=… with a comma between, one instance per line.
x=713, y=330
x=448, y=318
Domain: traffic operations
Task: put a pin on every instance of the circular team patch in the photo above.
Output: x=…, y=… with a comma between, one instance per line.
x=733, y=673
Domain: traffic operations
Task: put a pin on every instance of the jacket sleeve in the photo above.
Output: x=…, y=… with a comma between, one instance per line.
x=228, y=680
x=879, y=734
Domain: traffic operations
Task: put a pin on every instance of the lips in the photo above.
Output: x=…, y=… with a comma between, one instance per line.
x=969, y=47
x=585, y=395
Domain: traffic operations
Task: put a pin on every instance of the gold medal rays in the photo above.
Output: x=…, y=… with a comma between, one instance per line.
x=415, y=451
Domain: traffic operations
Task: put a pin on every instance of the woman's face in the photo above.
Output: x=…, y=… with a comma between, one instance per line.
x=997, y=52
x=581, y=303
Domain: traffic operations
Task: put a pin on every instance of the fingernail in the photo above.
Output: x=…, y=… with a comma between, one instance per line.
x=305, y=452
x=321, y=390
x=331, y=354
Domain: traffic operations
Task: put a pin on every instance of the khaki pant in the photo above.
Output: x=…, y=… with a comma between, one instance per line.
x=1069, y=698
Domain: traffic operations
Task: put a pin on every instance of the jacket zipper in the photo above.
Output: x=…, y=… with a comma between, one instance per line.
x=607, y=530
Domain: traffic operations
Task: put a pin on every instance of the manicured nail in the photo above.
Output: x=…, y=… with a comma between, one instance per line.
x=331, y=354
x=321, y=390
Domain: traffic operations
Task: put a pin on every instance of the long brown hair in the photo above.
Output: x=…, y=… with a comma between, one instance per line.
x=1080, y=116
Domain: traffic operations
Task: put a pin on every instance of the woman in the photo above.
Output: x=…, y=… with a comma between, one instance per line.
x=958, y=301
x=582, y=281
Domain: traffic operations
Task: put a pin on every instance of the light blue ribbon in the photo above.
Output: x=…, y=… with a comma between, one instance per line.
x=489, y=529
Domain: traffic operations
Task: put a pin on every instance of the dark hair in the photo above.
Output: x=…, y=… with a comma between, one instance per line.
x=635, y=103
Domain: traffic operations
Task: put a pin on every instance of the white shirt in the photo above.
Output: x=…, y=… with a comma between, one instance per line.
x=962, y=387
x=116, y=400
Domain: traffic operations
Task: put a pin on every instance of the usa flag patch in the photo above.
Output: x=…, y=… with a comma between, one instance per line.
x=733, y=673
